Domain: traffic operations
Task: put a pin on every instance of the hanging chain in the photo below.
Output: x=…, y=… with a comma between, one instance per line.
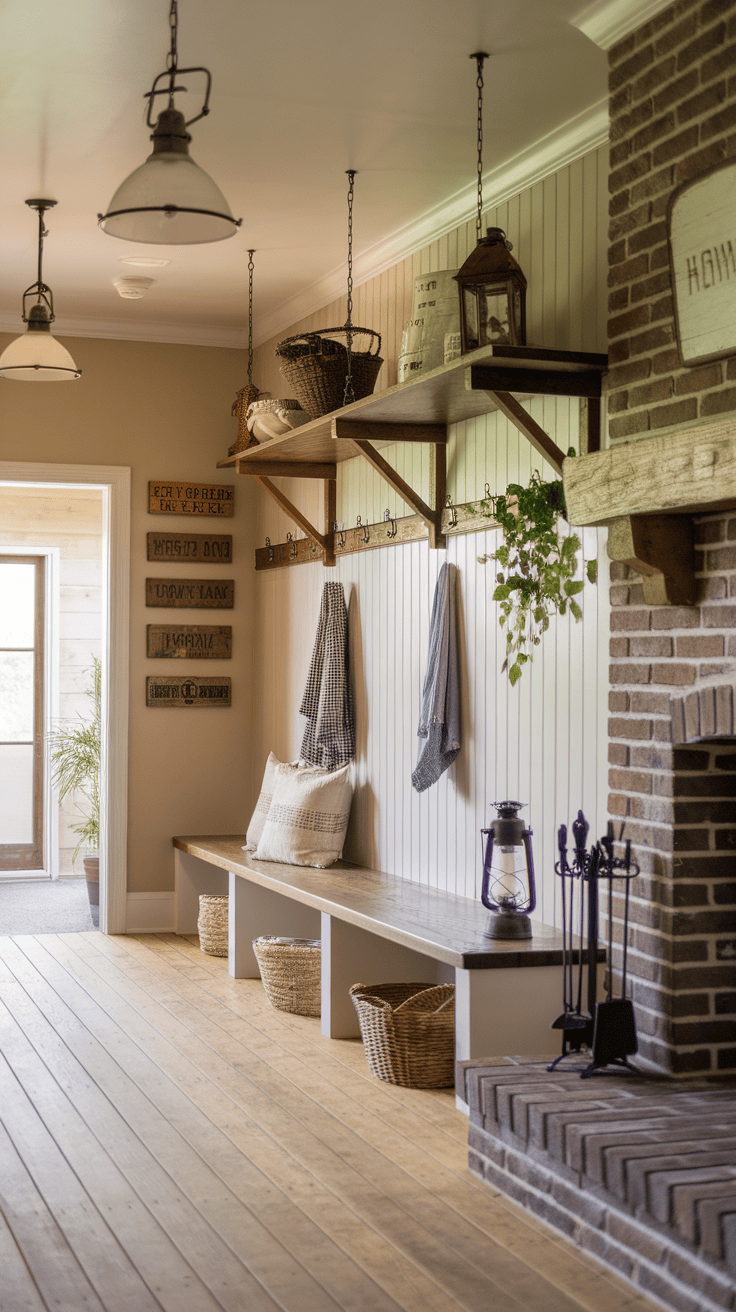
x=349, y=392
x=172, y=57
x=41, y=235
x=480, y=58
x=250, y=318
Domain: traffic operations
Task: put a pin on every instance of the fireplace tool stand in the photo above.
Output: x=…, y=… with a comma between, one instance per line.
x=607, y=1029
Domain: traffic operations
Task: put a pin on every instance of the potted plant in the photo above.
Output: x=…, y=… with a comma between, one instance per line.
x=539, y=564
x=75, y=764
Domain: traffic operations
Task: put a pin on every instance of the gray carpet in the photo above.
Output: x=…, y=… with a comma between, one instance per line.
x=45, y=906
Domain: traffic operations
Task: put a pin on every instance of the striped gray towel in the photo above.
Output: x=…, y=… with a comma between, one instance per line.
x=439, y=720
x=329, y=738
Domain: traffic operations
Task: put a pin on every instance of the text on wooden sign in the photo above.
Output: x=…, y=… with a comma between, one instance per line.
x=168, y=498
x=192, y=547
x=187, y=690
x=189, y=641
x=702, y=238
x=208, y=594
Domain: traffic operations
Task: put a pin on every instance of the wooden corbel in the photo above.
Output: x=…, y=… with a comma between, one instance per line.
x=660, y=548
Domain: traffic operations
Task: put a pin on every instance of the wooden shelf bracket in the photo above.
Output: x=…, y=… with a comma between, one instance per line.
x=325, y=540
x=436, y=434
x=660, y=548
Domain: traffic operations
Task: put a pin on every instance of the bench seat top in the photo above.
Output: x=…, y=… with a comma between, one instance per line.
x=440, y=925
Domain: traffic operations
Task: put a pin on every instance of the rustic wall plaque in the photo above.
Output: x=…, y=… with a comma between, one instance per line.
x=192, y=547
x=187, y=690
x=192, y=641
x=702, y=235
x=167, y=498
x=210, y=594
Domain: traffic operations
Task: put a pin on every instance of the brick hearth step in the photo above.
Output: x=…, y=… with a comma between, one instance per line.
x=639, y=1170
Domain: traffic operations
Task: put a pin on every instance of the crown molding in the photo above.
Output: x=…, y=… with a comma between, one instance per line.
x=176, y=334
x=566, y=144
x=607, y=21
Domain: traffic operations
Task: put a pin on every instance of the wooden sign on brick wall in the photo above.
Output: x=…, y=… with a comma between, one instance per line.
x=701, y=228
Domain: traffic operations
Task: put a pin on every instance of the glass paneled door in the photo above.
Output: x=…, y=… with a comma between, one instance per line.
x=21, y=712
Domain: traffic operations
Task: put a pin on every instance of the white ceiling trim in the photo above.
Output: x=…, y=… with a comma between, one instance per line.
x=121, y=330
x=609, y=21
x=555, y=151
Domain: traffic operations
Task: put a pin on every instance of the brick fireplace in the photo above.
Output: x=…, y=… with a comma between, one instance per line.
x=672, y=740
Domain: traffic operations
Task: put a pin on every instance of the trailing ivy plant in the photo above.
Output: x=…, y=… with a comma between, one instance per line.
x=538, y=565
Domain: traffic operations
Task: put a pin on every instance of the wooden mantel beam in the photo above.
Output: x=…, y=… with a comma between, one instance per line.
x=692, y=470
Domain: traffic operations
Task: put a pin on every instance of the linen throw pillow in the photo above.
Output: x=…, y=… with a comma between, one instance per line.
x=308, y=817
x=258, y=818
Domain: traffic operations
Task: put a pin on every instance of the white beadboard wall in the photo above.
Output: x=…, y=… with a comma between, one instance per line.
x=544, y=742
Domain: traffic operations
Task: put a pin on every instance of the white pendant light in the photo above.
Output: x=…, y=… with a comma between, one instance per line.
x=37, y=357
x=170, y=199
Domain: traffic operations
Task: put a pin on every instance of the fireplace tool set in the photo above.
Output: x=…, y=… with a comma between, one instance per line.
x=606, y=1028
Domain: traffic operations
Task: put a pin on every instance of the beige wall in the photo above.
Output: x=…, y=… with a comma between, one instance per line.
x=164, y=411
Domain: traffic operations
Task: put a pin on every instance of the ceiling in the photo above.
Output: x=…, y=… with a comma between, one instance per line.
x=302, y=91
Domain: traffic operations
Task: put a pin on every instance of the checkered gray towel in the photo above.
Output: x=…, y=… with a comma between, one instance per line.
x=329, y=738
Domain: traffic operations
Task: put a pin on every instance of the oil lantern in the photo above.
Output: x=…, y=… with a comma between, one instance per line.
x=508, y=889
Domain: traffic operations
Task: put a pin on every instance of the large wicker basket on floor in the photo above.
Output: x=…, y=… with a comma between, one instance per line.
x=212, y=924
x=315, y=366
x=408, y=1032
x=291, y=973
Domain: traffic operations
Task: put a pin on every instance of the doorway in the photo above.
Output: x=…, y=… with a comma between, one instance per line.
x=23, y=843
x=113, y=485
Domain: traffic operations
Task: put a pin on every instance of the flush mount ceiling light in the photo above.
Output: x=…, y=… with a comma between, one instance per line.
x=144, y=261
x=170, y=200
x=37, y=357
x=132, y=289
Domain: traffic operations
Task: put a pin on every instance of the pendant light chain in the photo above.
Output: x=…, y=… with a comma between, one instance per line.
x=41, y=234
x=480, y=57
x=172, y=59
x=349, y=392
x=250, y=317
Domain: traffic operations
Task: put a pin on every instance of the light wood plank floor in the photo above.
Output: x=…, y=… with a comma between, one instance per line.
x=168, y=1141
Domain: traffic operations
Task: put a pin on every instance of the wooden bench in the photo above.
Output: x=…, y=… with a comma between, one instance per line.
x=374, y=928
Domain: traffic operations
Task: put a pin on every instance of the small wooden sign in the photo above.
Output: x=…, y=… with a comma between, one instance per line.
x=702, y=238
x=194, y=548
x=213, y=642
x=169, y=498
x=207, y=594
x=187, y=690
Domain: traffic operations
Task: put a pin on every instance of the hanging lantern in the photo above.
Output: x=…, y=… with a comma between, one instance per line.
x=508, y=891
x=36, y=356
x=170, y=199
x=491, y=284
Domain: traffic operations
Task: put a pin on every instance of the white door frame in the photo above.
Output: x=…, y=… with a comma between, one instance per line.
x=114, y=481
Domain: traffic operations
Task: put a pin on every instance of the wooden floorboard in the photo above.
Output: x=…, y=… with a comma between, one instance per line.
x=168, y=1140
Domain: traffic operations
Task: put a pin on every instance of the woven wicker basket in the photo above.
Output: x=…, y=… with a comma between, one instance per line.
x=212, y=924
x=315, y=367
x=291, y=973
x=408, y=1032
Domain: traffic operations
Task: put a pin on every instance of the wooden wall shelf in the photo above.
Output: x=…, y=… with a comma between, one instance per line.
x=420, y=411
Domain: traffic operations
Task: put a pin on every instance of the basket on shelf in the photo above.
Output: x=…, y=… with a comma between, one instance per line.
x=212, y=924
x=291, y=972
x=408, y=1032
x=315, y=365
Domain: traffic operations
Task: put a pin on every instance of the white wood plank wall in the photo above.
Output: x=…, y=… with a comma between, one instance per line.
x=544, y=742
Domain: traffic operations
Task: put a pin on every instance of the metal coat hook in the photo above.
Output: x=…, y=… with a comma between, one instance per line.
x=365, y=535
x=270, y=548
x=487, y=494
x=336, y=528
x=314, y=546
x=294, y=549
x=388, y=519
x=453, y=512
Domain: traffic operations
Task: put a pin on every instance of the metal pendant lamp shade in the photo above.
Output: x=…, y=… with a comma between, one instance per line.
x=170, y=200
x=36, y=356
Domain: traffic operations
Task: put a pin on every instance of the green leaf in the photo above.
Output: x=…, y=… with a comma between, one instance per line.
x=576, y=610
x=591, y=570
x=501, y=592
x=514, y=674
x=573, y=587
